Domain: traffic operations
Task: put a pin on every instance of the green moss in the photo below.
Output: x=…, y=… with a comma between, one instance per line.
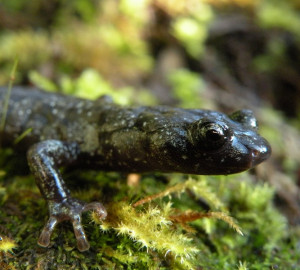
x=279, y=14
x=91, y=85
x=114, y=44
x=191, y=28
x=187, y=87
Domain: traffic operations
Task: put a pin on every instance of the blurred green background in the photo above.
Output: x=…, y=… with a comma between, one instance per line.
x=214, y=54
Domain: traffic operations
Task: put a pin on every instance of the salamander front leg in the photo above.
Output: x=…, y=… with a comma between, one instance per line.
x=44, y=158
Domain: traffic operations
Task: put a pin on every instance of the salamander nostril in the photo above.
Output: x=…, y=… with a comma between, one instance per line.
x=261, y=153
x=255, y=153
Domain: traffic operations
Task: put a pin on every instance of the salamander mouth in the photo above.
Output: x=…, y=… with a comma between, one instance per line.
x=256, y=154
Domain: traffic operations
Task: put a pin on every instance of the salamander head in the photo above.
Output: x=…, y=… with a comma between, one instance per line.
x=221, y=144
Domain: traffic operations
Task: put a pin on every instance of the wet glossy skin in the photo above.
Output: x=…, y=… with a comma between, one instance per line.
x=100, y=134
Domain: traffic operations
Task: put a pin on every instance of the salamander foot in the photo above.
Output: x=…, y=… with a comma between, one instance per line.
x=69, y=209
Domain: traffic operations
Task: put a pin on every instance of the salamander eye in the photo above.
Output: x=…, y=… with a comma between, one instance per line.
x=210, y=135
x=213, y=133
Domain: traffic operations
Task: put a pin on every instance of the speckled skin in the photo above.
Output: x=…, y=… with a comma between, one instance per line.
x=100, y=134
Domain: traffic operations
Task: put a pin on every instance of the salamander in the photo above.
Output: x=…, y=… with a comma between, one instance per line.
x=63, y=130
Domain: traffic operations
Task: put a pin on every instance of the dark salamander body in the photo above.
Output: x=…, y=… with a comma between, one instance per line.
x=64, y=130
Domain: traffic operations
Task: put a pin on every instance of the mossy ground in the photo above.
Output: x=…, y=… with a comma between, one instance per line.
x=135, y=238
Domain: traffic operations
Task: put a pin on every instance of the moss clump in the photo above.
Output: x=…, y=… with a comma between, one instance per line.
x=151, y=229
x=7, y=244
